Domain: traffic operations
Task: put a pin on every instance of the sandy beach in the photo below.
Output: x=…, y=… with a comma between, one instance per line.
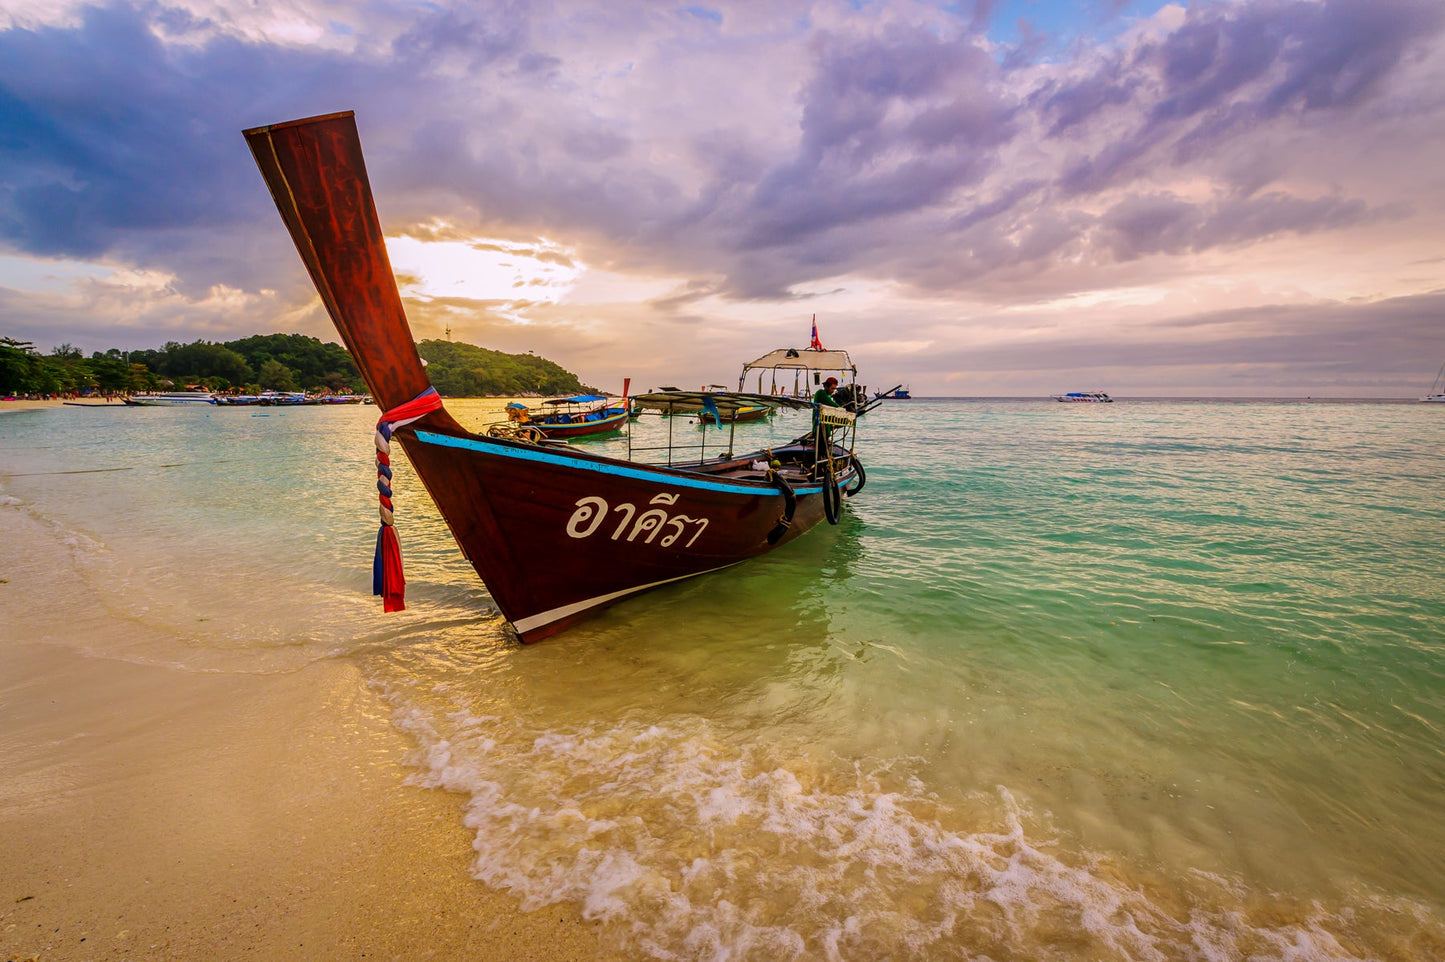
x=18, y=404
x=152, y=813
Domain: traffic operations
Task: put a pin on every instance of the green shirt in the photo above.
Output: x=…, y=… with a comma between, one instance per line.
x=824, y=396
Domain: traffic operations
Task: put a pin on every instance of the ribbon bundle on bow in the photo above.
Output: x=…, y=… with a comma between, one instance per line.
x=386, y=574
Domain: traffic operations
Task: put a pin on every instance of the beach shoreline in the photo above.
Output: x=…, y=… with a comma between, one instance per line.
x=25, y=404
x=152, y=812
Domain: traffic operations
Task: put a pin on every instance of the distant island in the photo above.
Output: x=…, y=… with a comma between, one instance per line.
x=275, y=362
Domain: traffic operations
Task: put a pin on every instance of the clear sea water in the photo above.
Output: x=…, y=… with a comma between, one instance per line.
x=1149, y=680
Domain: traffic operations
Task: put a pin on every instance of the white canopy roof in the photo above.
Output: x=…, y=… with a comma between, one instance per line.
x=801, y=359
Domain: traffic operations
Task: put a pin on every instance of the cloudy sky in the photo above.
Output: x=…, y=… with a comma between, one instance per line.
x=1225, y=197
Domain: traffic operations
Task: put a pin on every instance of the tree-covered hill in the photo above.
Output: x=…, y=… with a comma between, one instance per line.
x=281, y=362
x=465, y=370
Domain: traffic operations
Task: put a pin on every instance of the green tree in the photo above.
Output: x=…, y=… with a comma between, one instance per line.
x=201, y=359
x=314, y=363
x=110, y=371
x=275, y=376
x=20, y=367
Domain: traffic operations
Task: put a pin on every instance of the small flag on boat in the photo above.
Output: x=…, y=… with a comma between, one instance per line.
x=815, y=344
x=387, y=579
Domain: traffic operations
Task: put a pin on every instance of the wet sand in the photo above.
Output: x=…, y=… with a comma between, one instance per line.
x=147, y=812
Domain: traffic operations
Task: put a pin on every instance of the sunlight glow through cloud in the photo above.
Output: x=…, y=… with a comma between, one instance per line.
x=485, y=269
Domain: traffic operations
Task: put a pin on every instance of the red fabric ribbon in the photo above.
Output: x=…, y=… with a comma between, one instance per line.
x=424, y=403
x=393, y=581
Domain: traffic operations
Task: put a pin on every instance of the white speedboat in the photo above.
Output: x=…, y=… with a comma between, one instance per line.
x=272, y=398
x=172, y=399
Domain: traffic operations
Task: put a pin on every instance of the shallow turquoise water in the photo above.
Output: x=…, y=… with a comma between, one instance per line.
x=1142, y=680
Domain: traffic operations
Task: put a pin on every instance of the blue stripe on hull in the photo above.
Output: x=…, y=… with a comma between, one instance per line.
x=758, y=489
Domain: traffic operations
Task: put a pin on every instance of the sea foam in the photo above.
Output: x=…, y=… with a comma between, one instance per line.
x=693, y=848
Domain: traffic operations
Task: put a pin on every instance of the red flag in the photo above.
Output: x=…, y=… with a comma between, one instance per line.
x=816, y=344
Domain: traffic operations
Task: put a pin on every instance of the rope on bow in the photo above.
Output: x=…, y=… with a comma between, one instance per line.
x=387, y=579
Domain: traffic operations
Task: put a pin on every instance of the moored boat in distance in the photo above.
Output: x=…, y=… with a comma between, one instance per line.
x=1084, y=397
x=713, y=408
x=172, y=399
x=1436, y=394
x=745, y=413
x=555, y=533
x=565, y=418
x=741, y=409
x=277, y=398
x=900, y=393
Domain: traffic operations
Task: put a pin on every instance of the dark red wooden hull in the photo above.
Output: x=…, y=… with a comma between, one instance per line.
x=553, y=533
x=556, y=534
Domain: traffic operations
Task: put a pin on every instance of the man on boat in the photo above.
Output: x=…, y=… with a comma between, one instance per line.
x=823, y=397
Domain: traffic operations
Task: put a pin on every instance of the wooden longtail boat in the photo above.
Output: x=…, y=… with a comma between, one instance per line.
x=579, y=416
x=555, y=533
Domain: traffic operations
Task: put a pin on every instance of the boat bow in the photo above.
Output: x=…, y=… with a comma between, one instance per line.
x=317, y=176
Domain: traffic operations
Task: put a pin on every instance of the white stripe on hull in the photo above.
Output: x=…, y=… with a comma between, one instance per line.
x=545, y=618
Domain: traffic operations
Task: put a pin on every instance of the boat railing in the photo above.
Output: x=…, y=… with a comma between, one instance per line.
x=715, y=447
x=716, y=415
x=679, y=451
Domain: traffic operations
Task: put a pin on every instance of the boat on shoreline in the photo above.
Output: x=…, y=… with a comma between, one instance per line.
x=1084, y=397
x=555, y=533
x=280, y=398
x=171, y=399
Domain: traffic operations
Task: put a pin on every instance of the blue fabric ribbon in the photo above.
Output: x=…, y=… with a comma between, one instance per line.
x=709, y=406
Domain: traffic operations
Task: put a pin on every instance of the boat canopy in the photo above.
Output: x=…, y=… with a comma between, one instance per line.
x=726, y=403
x=796, y=359
x=576, y=399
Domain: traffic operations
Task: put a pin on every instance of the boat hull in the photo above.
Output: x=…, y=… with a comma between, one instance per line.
x=615, y=420
x=557, y=535
x=745, y=415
